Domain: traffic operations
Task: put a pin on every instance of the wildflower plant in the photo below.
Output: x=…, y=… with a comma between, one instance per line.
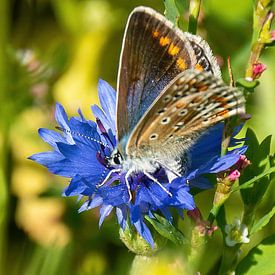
x=147, y=209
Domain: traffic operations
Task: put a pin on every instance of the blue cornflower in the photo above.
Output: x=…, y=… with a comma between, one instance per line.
x=82, y=149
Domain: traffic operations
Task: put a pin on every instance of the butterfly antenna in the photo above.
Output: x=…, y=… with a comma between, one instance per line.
x=158, y=183
x=81, y=135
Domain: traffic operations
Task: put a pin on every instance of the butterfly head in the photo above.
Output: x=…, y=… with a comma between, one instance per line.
x=116, y=159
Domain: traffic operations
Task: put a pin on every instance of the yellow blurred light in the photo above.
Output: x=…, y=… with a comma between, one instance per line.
x=164, y=263
x=24, y=137
x=78, y=86
x=28, y=182
x=93, y=263
x=41, y=219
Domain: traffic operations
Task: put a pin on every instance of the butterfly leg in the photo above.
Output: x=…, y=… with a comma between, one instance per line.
x=158, y=183
x=108, y=176
x=127, y=175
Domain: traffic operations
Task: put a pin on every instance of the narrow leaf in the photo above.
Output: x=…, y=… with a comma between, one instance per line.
x=167, y=230
x=171, y=11
x=262, y=222
x=249, y=184
x=258, y=153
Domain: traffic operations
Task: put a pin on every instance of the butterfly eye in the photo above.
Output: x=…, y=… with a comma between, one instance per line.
x=116, y=158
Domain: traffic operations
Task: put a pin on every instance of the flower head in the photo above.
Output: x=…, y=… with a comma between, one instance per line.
x=258, y=69
x=82, y=151
x=236, y=233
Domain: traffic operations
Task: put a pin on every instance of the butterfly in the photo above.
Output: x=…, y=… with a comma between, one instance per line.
x=170, y=92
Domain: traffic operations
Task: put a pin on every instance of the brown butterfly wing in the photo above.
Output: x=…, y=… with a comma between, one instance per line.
x=154, y=52
x=204, y=56
x=194, y=102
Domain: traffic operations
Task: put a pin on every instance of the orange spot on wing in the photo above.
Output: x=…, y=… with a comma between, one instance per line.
x=181, y=63
x=180, y=104
x=220, y=99
x=173, y=50
x=192, y=82
x=203, y=88
x=198, y=67
x=155, y=34
x=223, y=113
x=164, y=40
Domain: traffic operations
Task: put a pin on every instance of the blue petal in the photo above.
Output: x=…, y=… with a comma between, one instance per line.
x=89, y=204
x=77, y=186
x=47, y=158
x=105, y=210
x=51, y=137
x=141, y=227
x=209, y=145
x=202, y=183
x=115, y=195
x=183, y=199
x=98, y=113
x=62, y=119
x=81, y=154
x=218, y=164
x=121, y=213
x=107, y=98
x=85, y=133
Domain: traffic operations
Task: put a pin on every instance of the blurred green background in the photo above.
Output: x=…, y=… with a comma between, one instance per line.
x=56, y=51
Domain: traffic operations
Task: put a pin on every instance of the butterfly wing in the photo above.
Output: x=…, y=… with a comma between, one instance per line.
x=191, y=104
x=153, y=53
x=205, y=61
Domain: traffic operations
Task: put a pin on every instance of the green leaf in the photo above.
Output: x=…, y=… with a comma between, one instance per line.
x=171, y=11
x=248, y=85
x=260, y=260
x=262, y=222
x=249, y=184
x=167, y=230
x=258, y=154
x=182, y=7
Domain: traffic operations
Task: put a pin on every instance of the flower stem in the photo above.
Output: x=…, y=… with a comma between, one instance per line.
x=229, y=259
x=194, y=10
x=4, y=132
x=262, y=19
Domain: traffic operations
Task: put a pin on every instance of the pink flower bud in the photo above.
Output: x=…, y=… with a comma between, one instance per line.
x=242, y=163
x=272, y=34
x=204, y=227
x=194, y=214
x=258, y=69
x=235, y=174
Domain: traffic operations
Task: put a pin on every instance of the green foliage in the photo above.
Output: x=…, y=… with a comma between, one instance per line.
x=135, y=243
x=167, y=230
x=248, y=86
x=258, y=154
x=57, y=32
x=260, y=260
x=171, y=11
x=262, y=222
